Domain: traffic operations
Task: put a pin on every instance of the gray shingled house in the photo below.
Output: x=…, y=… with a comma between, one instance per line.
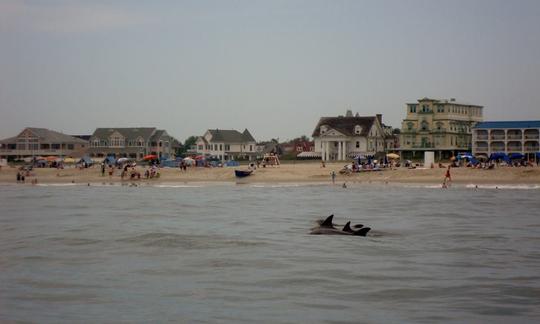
x=33, y=142
x=132, y=142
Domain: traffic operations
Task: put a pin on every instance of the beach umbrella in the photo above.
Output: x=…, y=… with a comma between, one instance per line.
x=69, y=160
x=453, y=158
x=150, y=157
x=122, y=160
x=51, y=158
x=392, y=156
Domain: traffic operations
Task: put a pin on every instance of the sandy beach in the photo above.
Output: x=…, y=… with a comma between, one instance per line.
x=287, y=173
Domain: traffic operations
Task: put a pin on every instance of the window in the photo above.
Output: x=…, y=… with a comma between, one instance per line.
x=409, y=126
x=227, y=147
x=251, y=148
x=221, y=147
x=357, y=144
x=424, y=126
x=55, y=146
x=200, y=147
x=412, y=108
x=70, y=146
x=440, y=108
x=323, y=129
x=357, y=129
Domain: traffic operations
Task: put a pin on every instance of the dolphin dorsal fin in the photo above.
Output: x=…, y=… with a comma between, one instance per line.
x=347, y=228
x=328, y=221
x=362, y=232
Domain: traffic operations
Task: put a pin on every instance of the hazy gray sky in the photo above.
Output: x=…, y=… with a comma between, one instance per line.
x=274, y=67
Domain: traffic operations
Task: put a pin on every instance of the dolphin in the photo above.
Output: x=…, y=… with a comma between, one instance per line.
x=328, y=228
x=328, y=223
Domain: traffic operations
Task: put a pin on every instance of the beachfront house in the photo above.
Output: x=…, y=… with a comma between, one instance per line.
x=507, y=137
x=227, y=144
x=34, y=142
x=132, y=142
x=344, y=137
x=441, y=126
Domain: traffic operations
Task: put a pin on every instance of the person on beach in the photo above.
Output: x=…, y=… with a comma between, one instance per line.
x=102, y=169
x=447, y=178
x=333, y=174
x=18, y=177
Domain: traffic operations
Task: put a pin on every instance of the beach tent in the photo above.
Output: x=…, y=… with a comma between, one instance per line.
x=86, y=159
x=468, y=157
x=499, y=156
x=232, y=163
x=110, y=160
x=516, y=156
x=69, y=160
x=392, y=156
x=171, y=163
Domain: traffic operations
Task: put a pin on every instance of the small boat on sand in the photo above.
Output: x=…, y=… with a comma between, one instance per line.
x=242, y=173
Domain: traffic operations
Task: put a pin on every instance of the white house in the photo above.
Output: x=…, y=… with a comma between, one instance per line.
x=343, y=137
x=227, y=144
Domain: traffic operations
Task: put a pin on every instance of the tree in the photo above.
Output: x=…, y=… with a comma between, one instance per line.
x=188, y=143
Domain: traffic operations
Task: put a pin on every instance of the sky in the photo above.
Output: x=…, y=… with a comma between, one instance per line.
x=274, y=67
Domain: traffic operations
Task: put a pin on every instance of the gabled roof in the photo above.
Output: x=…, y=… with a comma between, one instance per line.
x=230, y=136
x=130, y=133
x=345, y=125
x=47, y=135
x=509, y=124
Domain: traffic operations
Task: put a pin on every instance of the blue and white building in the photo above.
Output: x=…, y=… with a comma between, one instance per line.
x=506, y=137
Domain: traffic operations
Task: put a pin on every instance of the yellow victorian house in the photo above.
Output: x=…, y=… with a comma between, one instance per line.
x=442, y=126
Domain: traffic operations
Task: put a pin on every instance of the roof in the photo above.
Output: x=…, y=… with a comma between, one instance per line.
x=231, y=136
x=47, y=135
x=444, y=101
x=345, y=125
x=509, y=124
x=129, y=132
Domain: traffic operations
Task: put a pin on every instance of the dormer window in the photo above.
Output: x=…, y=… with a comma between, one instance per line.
x=357, y=129
x=324, y=129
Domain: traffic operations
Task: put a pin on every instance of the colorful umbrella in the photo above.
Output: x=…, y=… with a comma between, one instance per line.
x=392, y=156
x=150, y=157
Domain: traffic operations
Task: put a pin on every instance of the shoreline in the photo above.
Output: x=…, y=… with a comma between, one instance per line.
x=285, y=174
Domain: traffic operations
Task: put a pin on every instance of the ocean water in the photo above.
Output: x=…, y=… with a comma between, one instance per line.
x=208, y=253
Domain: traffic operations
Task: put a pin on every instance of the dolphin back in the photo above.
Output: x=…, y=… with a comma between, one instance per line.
x=362, y=232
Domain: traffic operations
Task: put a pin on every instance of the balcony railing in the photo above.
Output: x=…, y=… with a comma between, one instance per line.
x=498, y=137
x=532, y=149
x=514, y=137
x=481, y=149
x=428, y=145
x=481, y=137
x=532, y=137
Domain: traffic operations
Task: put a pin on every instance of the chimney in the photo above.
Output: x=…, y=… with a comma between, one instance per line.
x=349, y=113
x=452, y=99
x=379, y=117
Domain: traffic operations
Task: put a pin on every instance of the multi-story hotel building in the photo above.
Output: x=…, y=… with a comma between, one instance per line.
x=506, y=137
x=442, y=126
